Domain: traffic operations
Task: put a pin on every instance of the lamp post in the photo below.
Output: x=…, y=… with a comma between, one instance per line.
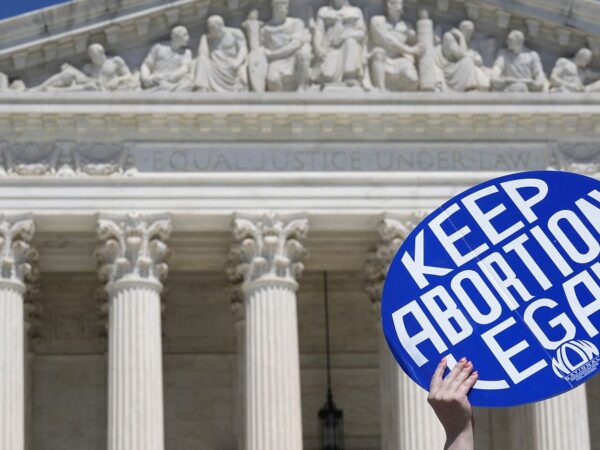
x=330, y=417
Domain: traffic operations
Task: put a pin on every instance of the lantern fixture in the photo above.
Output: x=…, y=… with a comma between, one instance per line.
x=330, y=417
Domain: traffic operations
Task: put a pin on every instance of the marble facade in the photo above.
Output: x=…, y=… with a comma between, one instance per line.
x=174, y=178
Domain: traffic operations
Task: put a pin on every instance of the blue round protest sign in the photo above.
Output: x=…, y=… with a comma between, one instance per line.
x=507, y=274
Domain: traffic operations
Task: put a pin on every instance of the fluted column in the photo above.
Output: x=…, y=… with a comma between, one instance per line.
x=407, y=420
x=239, y=408
x=16, y=233
x=561, y=422
x=132, y=257
x=268, y=249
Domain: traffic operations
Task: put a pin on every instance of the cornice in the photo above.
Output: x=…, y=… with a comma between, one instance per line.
x=299, y=117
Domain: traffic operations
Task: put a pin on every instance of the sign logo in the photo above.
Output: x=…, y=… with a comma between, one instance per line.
x=575, y=359
x=507, y=274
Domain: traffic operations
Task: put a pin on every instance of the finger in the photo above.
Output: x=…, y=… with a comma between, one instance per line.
x=462, y=376
x=436, y=379
x=454, y=372
x=466, y=386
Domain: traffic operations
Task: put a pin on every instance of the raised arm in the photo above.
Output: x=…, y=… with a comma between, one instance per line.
x=448, y=398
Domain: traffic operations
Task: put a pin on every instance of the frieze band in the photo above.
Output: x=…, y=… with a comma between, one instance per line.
x=336, y=49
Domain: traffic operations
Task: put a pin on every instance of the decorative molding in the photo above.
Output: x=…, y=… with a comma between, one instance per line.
x=578, y=157
x=268, y=247
x=133, y=249
x=289, y=116
x=392, y=231
x=65, y=158
x=16, y=253
x=34, y=307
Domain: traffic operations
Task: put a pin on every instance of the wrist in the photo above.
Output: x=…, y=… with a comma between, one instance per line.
x=460, y=439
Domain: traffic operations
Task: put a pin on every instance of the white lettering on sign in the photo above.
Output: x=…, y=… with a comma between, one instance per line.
x=491, y=289
x=561, y=320
x=448, y=240
x=504, y=355
x=427, y=332
x=416, y=266
x=512, y=188
x=485, y=219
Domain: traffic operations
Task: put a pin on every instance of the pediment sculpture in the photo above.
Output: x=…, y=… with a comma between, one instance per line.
x=337, y=49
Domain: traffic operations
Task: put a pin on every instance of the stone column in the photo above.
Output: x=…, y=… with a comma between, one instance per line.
x=407, y=420
x=561, y=422
x=16, y=233
x=237, y=308
x=269, y=250
x=132, y=262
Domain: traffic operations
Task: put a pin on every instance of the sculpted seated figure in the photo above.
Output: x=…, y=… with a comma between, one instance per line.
x=394, y=51
x=571, y=75
x=100, y=74
x=279, y=51
x=222, y=55
x=168, y=66
x=462, y=67
x=339, y=44
x=517, y=68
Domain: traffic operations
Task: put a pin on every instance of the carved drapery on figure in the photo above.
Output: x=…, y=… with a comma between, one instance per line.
x=394, y=50
x=280, y=54
x=573, y=75
x=335, y=48
x=517, y=68
x=100, y=74
x=168, y=66
x=339, y=45
x=461, y=66
x=222, y=54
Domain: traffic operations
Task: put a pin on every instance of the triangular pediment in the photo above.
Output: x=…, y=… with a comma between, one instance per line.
x=34, y=46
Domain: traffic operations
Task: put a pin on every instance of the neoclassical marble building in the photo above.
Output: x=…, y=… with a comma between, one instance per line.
x=176, y=176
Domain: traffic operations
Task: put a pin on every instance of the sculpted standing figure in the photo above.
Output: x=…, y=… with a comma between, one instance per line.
x=571, y=75
x=222, y=58
x=285, y=44
x=100, y=74
x=339, y=44
x=168, y=65
x=257, y=60
x=394, y=50
x=461, y=65
x=517, y=68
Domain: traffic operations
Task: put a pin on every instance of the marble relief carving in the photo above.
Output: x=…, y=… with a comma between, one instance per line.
x=65, y=158
x=337, y=48
x=517, y=68
x=222, y=59
x=168, y=66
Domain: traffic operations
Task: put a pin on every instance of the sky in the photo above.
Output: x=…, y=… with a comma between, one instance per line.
x=9, y=8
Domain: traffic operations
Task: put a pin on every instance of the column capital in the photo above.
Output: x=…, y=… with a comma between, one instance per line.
x=133, y=250
x=392, y=230
x=16, y=252
x=268, y=250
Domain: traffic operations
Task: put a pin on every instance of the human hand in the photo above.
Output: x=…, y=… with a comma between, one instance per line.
x=448, y=398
